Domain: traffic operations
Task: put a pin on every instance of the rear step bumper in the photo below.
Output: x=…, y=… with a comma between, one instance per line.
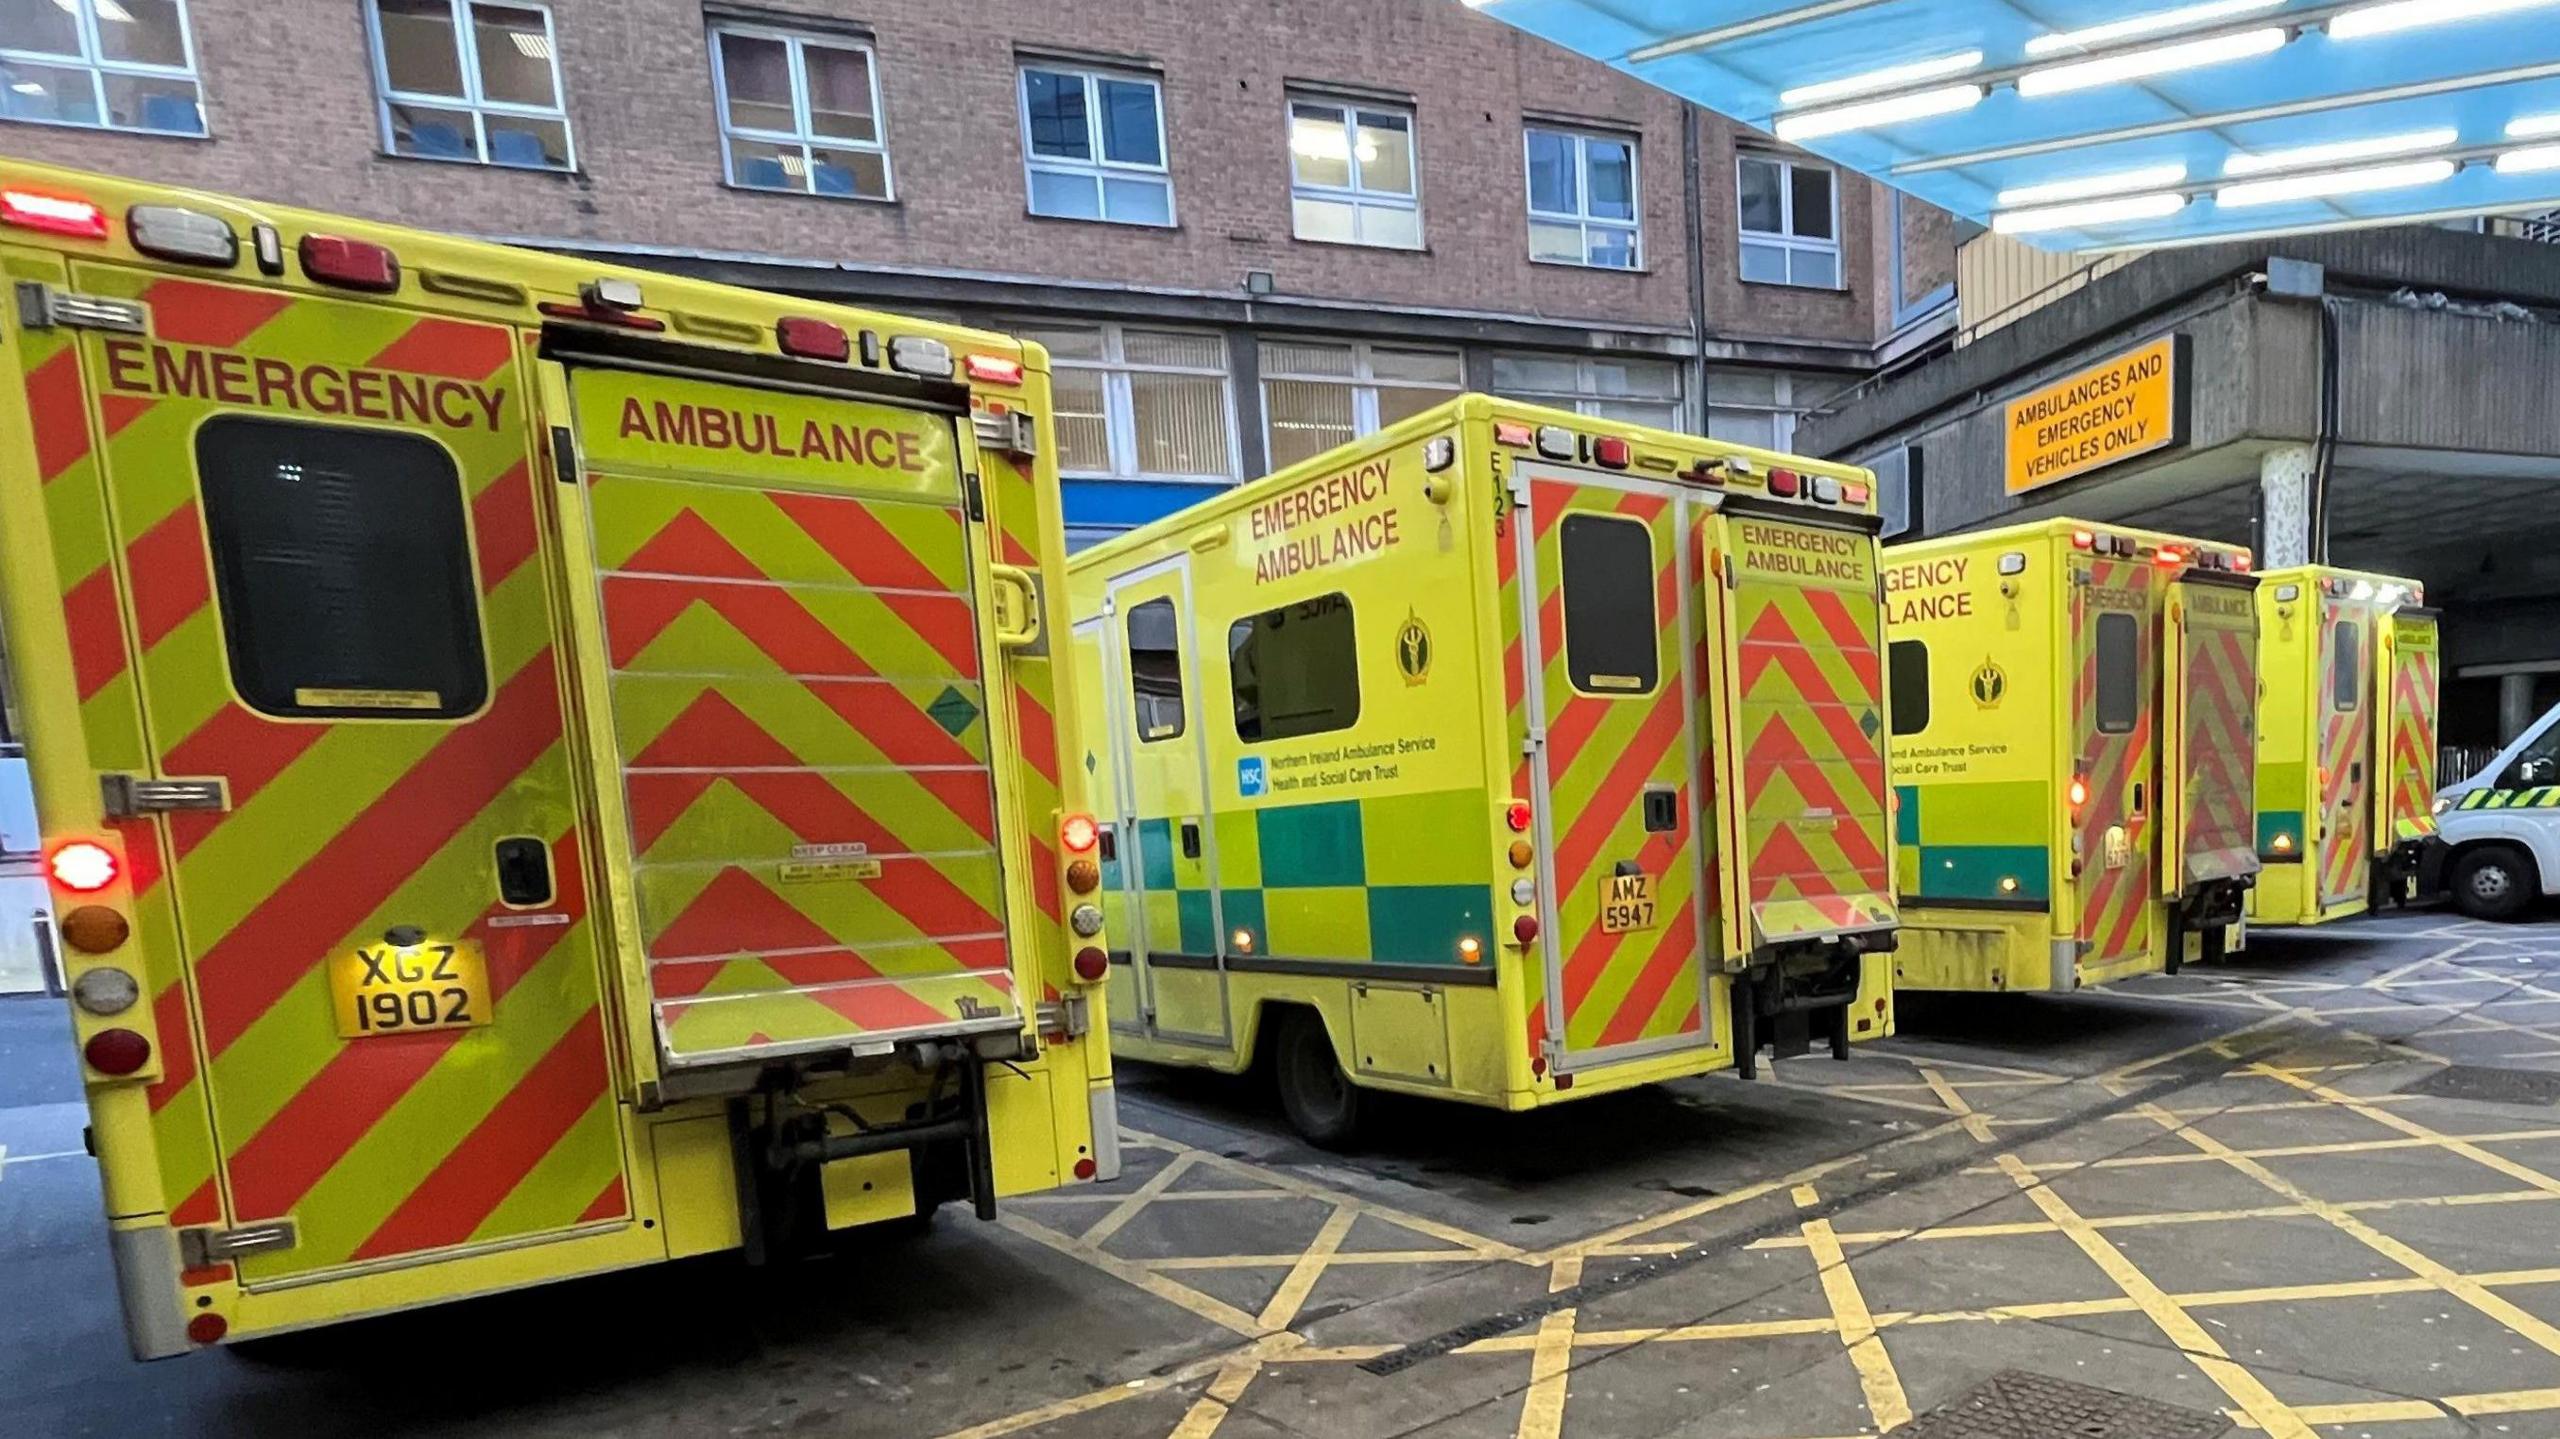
x=780, y=1146
x=1804, y=992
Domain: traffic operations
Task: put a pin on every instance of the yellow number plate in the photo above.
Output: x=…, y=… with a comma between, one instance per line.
x=1626, y=903
x=386, y=989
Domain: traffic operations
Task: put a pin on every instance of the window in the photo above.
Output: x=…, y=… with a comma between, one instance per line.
x=469, y=80
x=1790, y=223
x=1761, y=407
x=342, y=568
x=1641, y=392
x=2345, y=653
x=1582, y=199
x=2119, y=646
x=799, y=112
x=1139, y=404
x=1316, y=396
x=1093, y=146
x=1908, y=663
x=114, y=64
x=1352, y=174
x=1155, y=670
x=1296, y=670
x=1610, y=629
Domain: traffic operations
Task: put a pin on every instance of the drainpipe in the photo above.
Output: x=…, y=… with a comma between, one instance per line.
x=1693, y=196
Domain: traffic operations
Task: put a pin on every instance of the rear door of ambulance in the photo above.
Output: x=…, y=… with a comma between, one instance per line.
x=2209, y=755
x=1797, y=723
x=1609, y=641
x=2408, y=749
x=298, y=540
x=786, y=601
x=2115, y=666
x=2343, y=705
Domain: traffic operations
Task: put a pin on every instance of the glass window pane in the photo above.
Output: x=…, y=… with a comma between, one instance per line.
x=840, y=94
x=1130, y=135
x=515, y=56
x=418, y=50
x=1610, y=628
x=1073, y=197
x=1555, y=240
x=1534, y=375
x=1084, y=431
x=1155, y=670
x=1552, y=186
x=1053, y=103
x=533, y=144
x=1398, y=402
x=1812, y=187
x=1430, y=367
x=1613, y=248
x=1385, y=152
x=1296, y=670
x=1331, y=220
x=1762, y=208
x=1289, y=358
x=1908, y=661
x=1063, y=343
x=341, y=562
x=39, y=25
x=1320, y=151
x=1391, y=225
x=1137, y=202
x=2119, y=664
x=1181, y=422
x=1613, y=179
x=142, y=32
x=756, y=71
x=1649, y=378
x=1766, y=264
x=1742, y=387
x=1175, y=349
x=435, y=134
x=1307, y=418
x=47, y=92
x=2345, y=689
x=1655, y=413
x=1758, y=428
x=1814, y=267
x=151, y=102
x=861, y=173
x=765, y=165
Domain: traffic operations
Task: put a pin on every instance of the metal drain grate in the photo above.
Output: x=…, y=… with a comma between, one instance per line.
x=2491, y=1086
x=2014, y=1404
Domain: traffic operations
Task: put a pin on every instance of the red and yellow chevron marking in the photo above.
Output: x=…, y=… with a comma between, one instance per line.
x=2413, y=733
x=2115, y=900
x=2218, y=675
x=1515, y=700
x=1809, y=671
x=1603, y=752
x=338, y=829
x=817, y=852
x=2346, y=836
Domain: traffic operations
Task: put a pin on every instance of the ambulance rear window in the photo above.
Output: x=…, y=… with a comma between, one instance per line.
x=342, y=566
x=1155, y=670
x=1610, y=635
x=1296, y=670
x=2343, y=655
x=2118, y=681
x=1908, y=665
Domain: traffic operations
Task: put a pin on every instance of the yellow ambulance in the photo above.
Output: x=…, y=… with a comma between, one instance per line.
x=1505, y=756
x=2072, y=712
x=544, y=768
x=2346, y=742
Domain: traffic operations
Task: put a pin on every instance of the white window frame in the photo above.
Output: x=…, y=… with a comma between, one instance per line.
x=1119, y=398
x=1586, y=400
x=1363, y=380
x=1360, y=198
x=1785, y=409
x=1101, y=167
x=1785, y=239
x=797, y=43
x=92, y=58
x=1581, y=215
x=467, y=52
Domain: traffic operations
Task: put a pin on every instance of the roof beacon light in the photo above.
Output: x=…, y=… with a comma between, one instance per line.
x=920, y=355
x=993, y=369
x=171, y=232
x=812, y=339
x=609, y=293
x=1611, y=453
x=2082, y=539
x=53, y=214
x=350, y=264
x=2158, y=60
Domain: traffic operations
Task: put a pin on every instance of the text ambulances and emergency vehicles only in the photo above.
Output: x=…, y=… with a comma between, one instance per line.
x=2072, y=707
x=1505, y=756
x=544, y=769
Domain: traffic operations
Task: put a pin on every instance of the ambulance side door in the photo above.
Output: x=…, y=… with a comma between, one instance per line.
x=2114, y=774
x=1102, y=712
x=2344, y=701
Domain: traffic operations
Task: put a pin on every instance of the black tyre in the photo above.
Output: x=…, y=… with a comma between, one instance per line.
x=2491, y=882
x=1321, y=1101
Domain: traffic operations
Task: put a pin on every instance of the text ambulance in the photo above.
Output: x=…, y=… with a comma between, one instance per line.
x=1505, y=756
x=543, y=769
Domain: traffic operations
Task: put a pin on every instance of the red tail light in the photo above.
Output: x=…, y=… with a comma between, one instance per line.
x=1079, y=833
x=1525, y=928
x=812, y=339
x=208, y=1328
x=1086, y=1169
x=994, y=370
x=1092, y=964
x=82, y=867
x=116, y=1051
x=350, y=264
x=1517, y=816
x=53, y=214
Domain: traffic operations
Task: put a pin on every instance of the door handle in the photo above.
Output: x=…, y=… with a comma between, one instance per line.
x=524, y=872
x=1016, y=596
x=2137, y=797
x=1191, y=839
x=1107, y=841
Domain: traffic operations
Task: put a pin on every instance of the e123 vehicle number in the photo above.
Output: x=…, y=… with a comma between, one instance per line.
x=400, y=989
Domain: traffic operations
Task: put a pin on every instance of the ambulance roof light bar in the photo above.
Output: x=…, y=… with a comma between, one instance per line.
x=53, y=214
x=350, y=264
x=807, y=338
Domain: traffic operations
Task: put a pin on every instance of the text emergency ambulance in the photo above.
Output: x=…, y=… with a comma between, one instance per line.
x=544, y=769
x=1505, y=756
x=2346, y=742
x=2072, y=708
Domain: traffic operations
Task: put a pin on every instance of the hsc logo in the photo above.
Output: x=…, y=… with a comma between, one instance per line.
x=1249, y=776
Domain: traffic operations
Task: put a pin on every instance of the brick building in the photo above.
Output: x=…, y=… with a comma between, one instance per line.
x=1245, y=231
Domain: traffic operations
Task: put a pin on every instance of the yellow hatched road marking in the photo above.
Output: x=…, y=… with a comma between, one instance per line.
x=1974, y=1124
x=1886, y=1402
x=1138, y=1199
x=2464, y=1145
x=2012, y=1228
x=2299, y=1151
x=1282, y=1311
x=1216, y=1311
x=1210, y=1409
x=1551, y=1359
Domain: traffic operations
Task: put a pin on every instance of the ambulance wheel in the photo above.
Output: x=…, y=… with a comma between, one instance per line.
x=2492, y=882
x=1321, y=1101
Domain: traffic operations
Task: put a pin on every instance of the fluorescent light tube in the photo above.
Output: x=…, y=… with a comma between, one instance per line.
x=1867, y=114
x=2399, y=15
x=1891, y=77
x=2088, y=213
x=2335, y=182
x=2526, y=126
x=2530, y=159
x=2149, y=177
x=2371, y=147
x=2158, y=60
x=2184, y=17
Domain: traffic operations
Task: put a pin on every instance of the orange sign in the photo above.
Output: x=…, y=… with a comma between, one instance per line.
x=2132, y=405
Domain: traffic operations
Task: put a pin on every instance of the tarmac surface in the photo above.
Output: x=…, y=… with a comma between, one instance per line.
x=2311, y=1191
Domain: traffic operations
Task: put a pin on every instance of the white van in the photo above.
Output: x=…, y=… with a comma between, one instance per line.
x=2499, y=831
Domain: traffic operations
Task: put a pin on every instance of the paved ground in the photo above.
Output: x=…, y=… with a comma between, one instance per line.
x=2232, y=1192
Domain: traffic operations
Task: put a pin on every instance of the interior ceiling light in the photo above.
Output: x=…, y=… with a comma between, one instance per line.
x=2158, y=60
x=2184, y=17
x=2371, y=147
x=2087, y=213
x=2325, y=183
x=2148, y=177
x=2529, y=160
x=1868, y=114
x=1889, y=78
x=2397, y=15
x=2526, y=126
